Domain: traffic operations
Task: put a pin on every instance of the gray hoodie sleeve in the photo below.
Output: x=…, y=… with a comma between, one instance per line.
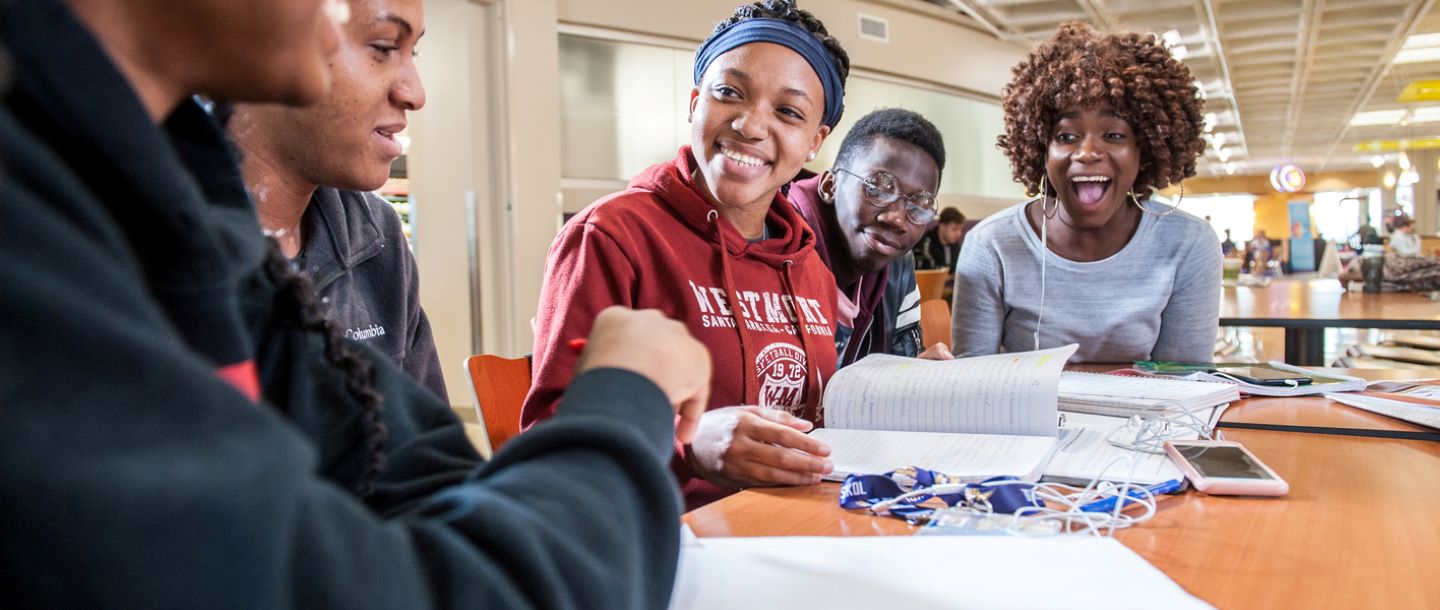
x=1191, y=318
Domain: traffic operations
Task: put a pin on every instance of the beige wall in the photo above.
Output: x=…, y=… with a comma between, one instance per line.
x=441, y=172
x=925, y=43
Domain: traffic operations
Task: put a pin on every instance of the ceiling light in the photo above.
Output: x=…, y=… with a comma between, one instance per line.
x=1388, y=180
x=1404, y=162
x=1378, y=117
x=1224, y=154
x=1409, y=177
x=1230, y=169
x=1415, y=56
x=1377, y=161
x=1419, y=48
x=1171, y=37
x=1209, y=121
x=1425, y=114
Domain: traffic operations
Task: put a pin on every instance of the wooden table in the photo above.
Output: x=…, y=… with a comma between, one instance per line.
x=1357, y=529
x=1306, y=307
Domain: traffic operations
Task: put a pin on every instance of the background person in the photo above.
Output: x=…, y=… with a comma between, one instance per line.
x=940, y=247
x=1403, y=240
x=1095, y=123
x=312, y=171
x=708, y=239
x=869, y=211
x=186, y=435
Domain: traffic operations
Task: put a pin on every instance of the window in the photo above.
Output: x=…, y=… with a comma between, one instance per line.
x=1233, y=212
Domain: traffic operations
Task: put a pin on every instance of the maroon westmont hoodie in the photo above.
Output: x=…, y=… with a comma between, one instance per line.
x=765, y=309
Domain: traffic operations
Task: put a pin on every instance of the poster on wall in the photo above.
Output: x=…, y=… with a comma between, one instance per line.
x=1302, y=244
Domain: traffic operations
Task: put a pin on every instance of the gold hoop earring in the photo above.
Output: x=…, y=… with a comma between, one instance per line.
x=1173, y=207
x=1045, y=194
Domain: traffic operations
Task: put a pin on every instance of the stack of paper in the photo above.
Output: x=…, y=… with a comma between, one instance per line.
x=1123, y=395
x=920, y=572
x=1419, y=405
x=1322, y=382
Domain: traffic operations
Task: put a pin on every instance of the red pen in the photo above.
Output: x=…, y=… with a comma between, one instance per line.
x=577, y=345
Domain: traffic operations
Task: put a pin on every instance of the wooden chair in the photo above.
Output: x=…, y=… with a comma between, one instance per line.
x=500, y=386
x=935, y=322
x=931, y=283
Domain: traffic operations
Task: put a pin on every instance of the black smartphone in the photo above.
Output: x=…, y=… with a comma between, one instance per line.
x=1264, y=376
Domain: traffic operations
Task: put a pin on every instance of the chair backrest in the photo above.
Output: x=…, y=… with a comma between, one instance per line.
x=935, y=322
x=500, y=386
x=931, y=283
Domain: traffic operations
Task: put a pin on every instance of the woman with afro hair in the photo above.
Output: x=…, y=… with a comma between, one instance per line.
x=1095, y=123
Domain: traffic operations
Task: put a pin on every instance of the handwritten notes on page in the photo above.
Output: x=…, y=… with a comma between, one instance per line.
x=999, y=394
x=973, y=457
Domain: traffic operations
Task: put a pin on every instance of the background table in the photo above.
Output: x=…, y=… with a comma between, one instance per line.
x=1306, y=307
x=1356, y=531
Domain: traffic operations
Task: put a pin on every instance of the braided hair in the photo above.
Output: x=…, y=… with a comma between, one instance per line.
x=296, y=305
x=787, y=11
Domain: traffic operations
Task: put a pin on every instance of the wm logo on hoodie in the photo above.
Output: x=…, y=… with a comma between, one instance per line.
x=782, y=370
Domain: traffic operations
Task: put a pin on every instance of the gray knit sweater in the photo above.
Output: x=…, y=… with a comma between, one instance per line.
x=1156, y=299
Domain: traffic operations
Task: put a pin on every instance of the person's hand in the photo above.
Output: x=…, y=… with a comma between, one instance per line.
x=747, y=446
x=662, y=350
x=939, y=351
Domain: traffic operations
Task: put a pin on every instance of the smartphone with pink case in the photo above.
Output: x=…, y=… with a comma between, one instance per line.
x=1225, y=468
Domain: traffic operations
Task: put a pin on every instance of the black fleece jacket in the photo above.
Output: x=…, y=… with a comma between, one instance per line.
x=356, y=253
x=131, y=476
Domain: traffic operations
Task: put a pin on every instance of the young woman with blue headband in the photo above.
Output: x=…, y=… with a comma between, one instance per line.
x=709, y=239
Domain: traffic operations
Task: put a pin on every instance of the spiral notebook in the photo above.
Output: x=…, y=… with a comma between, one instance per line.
x=1126, y=395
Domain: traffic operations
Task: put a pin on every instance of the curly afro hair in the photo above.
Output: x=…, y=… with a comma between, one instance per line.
x=1134, y=73
x=786, y=10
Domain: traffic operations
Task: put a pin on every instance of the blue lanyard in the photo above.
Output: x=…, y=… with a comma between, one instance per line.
x=868, y=490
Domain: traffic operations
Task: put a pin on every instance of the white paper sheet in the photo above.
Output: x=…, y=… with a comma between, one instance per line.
x=921, y=572
x=1085, y=453
x=974, y=457
x=1413, y=413
x=1000, y=394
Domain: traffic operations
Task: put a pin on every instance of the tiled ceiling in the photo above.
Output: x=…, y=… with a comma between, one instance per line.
x=1284, y=78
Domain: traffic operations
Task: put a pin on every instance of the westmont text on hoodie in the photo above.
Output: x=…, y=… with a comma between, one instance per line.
x=765, y=309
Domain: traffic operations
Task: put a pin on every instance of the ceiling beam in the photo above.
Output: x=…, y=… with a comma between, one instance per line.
x=982, y=17
x=1408, y=26
x=1305, y=42
x=1206, y=10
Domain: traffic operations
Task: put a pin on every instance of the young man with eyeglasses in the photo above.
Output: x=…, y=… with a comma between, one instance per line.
x=870, y=209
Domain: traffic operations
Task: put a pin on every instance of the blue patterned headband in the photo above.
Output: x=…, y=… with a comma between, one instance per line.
x=786, y=34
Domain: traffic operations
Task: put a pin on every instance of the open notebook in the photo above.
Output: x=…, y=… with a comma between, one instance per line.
x=972, y=417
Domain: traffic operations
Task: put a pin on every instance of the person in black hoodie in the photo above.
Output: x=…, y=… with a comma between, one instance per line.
x=183, y=430
x=312, y=171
